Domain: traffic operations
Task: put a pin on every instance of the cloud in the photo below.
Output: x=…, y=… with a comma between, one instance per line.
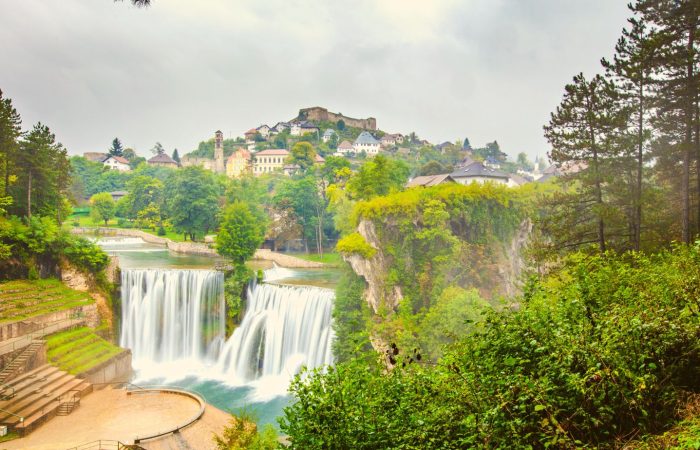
x=486, y=69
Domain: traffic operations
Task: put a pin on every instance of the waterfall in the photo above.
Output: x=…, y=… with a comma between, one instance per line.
x=170, y=315
x=174, y=323
x=284, y=327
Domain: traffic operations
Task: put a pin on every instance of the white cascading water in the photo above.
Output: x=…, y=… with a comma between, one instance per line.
x=170, y=315
x=174, y=323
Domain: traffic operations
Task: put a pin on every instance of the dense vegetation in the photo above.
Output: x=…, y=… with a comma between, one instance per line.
x=21, y=299
x=598, y=353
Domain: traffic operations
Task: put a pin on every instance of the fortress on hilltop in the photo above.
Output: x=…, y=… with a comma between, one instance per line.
x=318, y=114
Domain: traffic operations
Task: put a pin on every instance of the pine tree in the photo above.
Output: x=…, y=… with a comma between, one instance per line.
x=176, y=157
x=44, y=172
x=632, y=69
x=583, y=132
x=677, y=25
x=10, y=131
x=158, y=149
x=116, y=149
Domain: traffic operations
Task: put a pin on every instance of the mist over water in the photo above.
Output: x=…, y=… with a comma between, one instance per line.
x=174, y=323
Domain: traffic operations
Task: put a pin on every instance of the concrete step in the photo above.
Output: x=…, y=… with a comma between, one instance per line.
x=35, y=397
x=29, y=386
x=43, y=402
x=49, y=410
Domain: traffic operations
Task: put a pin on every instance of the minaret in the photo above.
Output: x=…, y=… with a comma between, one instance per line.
x=219, y=152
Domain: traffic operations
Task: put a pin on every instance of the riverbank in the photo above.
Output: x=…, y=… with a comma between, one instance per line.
x=199, y=249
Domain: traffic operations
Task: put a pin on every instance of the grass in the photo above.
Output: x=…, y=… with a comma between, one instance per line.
x=9, y=436
x=21, y=299
x=333, y=259
x=79, y=350
x=82, y=220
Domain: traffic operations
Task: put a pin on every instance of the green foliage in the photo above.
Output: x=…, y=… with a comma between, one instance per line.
x=355, y=244
x=240, y=234
x=235, y=286
x=350, y=317
x=242, y=434
x=192, y=196
x=39, y=245
x=116, y=149
x=303, y=155
x=378, y=176
x=599, y=351
x=102, y=207
x=22, y=299
x=205, y=149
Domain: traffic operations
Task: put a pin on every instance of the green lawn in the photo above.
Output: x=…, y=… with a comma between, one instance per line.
x=332, y=259
x=78, y=350
x=82, y=220
x=21, y=299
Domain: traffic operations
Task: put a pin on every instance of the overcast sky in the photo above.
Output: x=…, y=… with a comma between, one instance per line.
x=177, y=71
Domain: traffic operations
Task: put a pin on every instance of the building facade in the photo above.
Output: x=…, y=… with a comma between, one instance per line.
x=268, y=161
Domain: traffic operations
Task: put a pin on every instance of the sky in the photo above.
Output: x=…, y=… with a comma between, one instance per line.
x=179, y=70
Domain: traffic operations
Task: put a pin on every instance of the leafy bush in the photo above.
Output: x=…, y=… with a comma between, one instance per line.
x=355, y=244
x=85, y=254
x=602, y=350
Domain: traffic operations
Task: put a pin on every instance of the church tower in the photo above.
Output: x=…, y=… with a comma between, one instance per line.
x=219, y=152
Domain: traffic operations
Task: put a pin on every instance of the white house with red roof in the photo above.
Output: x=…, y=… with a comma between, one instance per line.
x=117, y=163
x=268, y=161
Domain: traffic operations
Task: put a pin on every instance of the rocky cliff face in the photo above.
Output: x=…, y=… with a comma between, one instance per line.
x=505, y=274
x=374, y=270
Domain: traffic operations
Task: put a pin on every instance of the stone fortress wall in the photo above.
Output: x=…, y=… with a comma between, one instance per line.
x=317, y=113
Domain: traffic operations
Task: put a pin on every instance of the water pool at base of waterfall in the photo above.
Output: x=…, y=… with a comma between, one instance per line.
x=234, y=399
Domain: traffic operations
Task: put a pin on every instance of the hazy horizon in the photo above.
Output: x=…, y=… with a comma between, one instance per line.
x=176, y=72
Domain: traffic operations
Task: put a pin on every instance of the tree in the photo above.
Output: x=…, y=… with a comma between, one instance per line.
x=176, y=157
x=129, y=154
x=43, y=172
x=466, y=145
x=116, y=149
x=340, y=125
x=333, y=141
x=378, y=176
x=432, y=168
x=524, y=162
x=192, y=196
x=10, y=131
x=583, y=131
x=240, y=234
x=144, y=192
x=632, y=68
x=676, y=24
x=303, y=155
x=102, y=207
x=158, y=149
x=302, y=197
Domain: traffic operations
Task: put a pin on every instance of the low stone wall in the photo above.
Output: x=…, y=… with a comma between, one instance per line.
x=286, y=260
x=115, y=369
x=36, y=323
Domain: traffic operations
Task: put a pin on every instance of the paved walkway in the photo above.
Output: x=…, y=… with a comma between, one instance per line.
x=10, y=345
x=111, y=414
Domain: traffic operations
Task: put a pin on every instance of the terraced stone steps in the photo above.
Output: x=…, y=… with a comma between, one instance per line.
x=38, y=396
x=16, y=364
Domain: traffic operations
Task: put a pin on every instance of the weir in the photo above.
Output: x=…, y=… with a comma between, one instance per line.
x=171, y=316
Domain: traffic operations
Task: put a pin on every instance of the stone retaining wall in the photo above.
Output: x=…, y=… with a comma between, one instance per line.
x=36, y=323
x=115, y=369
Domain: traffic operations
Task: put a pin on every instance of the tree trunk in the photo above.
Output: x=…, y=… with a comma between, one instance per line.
x=636, y=239
x=598, y=190
x=687, y=145
x=29, y=195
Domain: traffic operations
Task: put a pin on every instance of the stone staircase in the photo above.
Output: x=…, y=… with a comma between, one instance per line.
x=17, y=364
x=38, y=396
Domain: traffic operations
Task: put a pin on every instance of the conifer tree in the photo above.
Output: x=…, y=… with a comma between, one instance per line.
x=10, y=131
x=583, y=133
x=116, y=149
x=176, y=157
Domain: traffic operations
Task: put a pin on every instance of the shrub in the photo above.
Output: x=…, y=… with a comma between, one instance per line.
x=355, y=244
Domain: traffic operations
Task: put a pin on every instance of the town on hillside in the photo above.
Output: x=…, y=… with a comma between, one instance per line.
x=266, y=149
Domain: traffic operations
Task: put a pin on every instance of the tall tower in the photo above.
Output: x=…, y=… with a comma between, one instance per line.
x=219, y=152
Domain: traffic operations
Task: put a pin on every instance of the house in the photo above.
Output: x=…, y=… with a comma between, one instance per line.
x=162, y=160
x=365, y=142
x=344, y=149
x=477, y=172
x=465, y=162
x=318, y=159
x=403, y=151
x=238, y=163
x=328, y=134
x=291, y=169
x=268, y=161
x=118, y=195
x=95, y=156
x=430, y=180
x=250, y=135
x=302, y=128
x=517, y=180
x=492, y=163
x=389, y=140
x=117, y=163
x=279, y=128
x=444, y=146
x=264, y=131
